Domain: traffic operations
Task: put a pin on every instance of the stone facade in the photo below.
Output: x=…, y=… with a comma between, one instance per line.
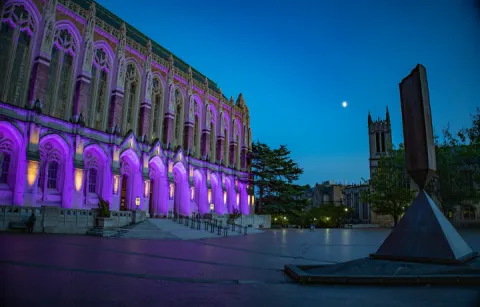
x=326, y=193
x=109, y=113
x=361, y=211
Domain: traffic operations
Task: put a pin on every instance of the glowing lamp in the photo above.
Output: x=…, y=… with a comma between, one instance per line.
x=79, y=149
x=209, y=195
x=32, y=172
x=192, y=193
x=137, y=202
x=78, y=179
x=236, y=182
x=212, y=207
x=225, y=198
x=170, y=167
x=284, y=217
x=116, y=155
x=115, y=184
x=146, y=189
x=172, y=190
x=253, y=200
x=249, y=200
x=238, y=199
x=327, y=218
x=346, y=209
x=190, y=171
x=34, y=137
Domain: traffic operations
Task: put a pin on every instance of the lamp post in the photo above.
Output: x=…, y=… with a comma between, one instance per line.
x=137, y=202
x=211, y=208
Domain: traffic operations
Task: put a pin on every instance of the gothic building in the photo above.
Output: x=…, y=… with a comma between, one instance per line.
x=90, y=107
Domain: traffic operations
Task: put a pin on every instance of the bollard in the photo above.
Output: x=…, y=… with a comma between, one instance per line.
x=211, y=227
x=219, y=228
x=225, y=232
x=193, y=224
x=239, y=229
x=205, y=225
x=245, y=230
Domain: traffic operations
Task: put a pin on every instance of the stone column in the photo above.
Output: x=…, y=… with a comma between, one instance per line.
x=116, y=105
x=243, y=157
x=220, y=141
x=188, y=137
x=168, y=128
x=145, y=111
x=233, y=152
x=38, y=83
x=81, y=97
x=205, y=143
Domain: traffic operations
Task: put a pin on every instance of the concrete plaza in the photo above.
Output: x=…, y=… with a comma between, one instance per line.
x=164, y=270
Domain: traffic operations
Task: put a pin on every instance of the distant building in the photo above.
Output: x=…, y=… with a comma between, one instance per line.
x=326, y=193
x=360, y=210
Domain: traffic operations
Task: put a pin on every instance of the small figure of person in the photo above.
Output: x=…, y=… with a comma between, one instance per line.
x=312, y=227
x=31, y=222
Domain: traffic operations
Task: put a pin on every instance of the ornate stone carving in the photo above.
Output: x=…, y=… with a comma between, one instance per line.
x=245, y=136
x=151, y=173
x=124, y=167
x=122, y=63
x=49, y=23
x=6, y=146
x=209, y=118
x=190, y=76
x=88, y=38
x=88, y=58
x=171, y=69
x=148, y=87
x=148, y=59
x=90, y=26
x=122, y=69
x=191, y=111
x=171, y=102
x=222, y=124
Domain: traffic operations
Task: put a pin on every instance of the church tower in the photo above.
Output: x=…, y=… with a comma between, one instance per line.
x=380, y=139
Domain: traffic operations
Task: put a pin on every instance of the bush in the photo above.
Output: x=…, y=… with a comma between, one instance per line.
x=104, y=207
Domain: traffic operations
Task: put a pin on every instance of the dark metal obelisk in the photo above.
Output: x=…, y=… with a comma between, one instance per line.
x=423, y=234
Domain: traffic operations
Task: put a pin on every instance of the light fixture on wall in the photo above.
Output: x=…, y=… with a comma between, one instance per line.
x=172, y=190
x=32, y=172
x=225, y=197
x=137, y=202
x=190, y=171
x=238, y=199
x=208, y=175
x=209, y=195
x=116, y=180
x=192, y=193
x=78, y=179
x=170, y=167
x=147, y=188
x=212, y=207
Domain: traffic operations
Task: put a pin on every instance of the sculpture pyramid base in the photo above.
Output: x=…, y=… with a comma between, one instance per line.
x=425, y=235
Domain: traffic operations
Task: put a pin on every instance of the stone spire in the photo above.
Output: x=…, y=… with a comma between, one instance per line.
x=88, y=39
x=49, y=11
x=388, y=117
x=370, y=121
x=171, y=68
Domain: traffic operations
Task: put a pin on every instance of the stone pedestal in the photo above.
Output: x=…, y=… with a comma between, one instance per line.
x=105, y=222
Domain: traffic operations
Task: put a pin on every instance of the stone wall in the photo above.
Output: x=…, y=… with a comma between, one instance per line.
x=256, y=221
x=61, y=220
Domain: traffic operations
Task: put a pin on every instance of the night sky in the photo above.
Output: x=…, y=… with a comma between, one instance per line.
x=296, y=61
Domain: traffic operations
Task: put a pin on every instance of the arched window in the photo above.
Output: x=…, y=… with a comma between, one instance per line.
x=60, y=75
x=16, y=34
x=178, y=116
x=225, y=148
x=52, y=175
x=92, y=180
x=98, y=107
x=213, y=140
x=196, y=139
x=130, y=97
x=4, y=167
x=157, y=108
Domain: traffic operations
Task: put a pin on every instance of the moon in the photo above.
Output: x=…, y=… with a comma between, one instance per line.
x=344, y=104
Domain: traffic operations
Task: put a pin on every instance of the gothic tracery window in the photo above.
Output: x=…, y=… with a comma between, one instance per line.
x=98, y=90
x=130, y=97
x=157, y=107
x=92, y=180
x=60, y=75
x=16, y=33
x=4, y=167
x=52, y=175
x=178, y=116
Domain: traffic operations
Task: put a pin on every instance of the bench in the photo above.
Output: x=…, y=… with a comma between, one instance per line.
x=17, y=225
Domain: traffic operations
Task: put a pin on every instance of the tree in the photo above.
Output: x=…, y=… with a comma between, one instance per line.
x=458, y=161
x=390, y=192
x=274, y=174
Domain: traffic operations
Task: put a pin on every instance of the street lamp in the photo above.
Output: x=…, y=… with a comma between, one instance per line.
x=137, y=202
x=327, y=218
x=346, y=209
x=211, y=208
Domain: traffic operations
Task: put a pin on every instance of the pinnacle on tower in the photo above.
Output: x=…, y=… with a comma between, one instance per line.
x=369, y=119
x=240, y=99
x=388, y=116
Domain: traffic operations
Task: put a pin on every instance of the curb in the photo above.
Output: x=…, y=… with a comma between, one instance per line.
x=301, y=276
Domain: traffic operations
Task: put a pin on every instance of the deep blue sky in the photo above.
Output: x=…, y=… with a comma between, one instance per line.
x=296, y=60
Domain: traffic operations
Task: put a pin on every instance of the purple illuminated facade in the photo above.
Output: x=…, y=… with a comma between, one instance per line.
x=89, y=106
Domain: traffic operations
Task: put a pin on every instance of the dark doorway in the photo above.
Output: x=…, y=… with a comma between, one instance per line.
x=123, y=195
x=151, y=209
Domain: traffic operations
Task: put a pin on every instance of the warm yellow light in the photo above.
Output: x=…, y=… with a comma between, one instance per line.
x=115, y=155
x=208, y=176
x=249, y=200
x=34, y=137
x=209, y=195
x=78, y=179
x=225, y=197
x=32, y=172
x=115, y=184
x=190, y=171
x=284, y=217
x=212, y=207
x=131, y=143
x=238, y=199
x=170, y=167
x=192, y=193
x=172, y=190
x=328, y=218
x=147, y=188
x=79, y=149
x=236, y=183
x=137, y=201
x=253, y=200
x=158, y=150
x=346, y=209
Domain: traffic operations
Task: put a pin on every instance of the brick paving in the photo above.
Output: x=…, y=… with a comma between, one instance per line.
x=61, y=270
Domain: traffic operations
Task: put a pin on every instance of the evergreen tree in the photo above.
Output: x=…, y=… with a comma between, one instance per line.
x=274, y=175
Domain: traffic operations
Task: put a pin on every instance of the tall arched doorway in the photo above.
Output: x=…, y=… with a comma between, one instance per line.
x=131, y=180
x=217, y=194
x=181, y=199
x=158, y=187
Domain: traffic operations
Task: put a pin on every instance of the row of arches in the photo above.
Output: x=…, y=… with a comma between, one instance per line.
x=20, y=33
x=54, y=180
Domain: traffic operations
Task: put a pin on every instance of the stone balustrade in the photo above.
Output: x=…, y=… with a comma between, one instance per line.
x=63, y=220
